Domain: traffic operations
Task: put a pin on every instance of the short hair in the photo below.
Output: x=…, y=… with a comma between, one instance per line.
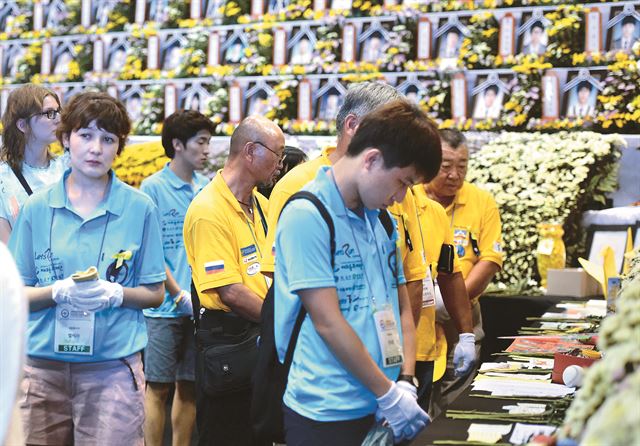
x=453, y=138
x=183, y=125
x=584, y=84
x=492, y=87
x=22, y=103
x=362, y=98
x=628, y=19
x=109, y=113
x=537, y=24
x=404, y=134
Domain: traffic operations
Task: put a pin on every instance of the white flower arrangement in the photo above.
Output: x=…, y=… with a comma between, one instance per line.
x=538, y=178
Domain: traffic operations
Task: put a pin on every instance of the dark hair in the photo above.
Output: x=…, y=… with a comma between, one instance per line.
x=584, y=84
x=292, y=157
x=492, y=87
x=453, y=138
x=109, y=113
x=22, y=103
x=405, y=136
x=628, y=19
x=537, y=24
x=182, y=125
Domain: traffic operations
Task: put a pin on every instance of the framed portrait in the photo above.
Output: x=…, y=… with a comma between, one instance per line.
x=302, y=46
x=171, y=52
x=581, y=94
x=117, y=55
x=373, y=47
x=194, y=98
x=158, y=11
x=101, y=11
x=277, y=6
x=9, y=9
x=215, y=10
x=550, y=96
x=488, y=98
x=63, y=54
x=259, y=99
x=132, y=99
x=533, y=33
x=624, y=29
x=599, y=237
x=329, y=99
x=54, y=14
x=448, y=42
x=413, y=88
x=12, y=55
x=233, y=48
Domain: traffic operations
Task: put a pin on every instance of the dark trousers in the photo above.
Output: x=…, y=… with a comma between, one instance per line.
x=424, y=373
x=303, y=431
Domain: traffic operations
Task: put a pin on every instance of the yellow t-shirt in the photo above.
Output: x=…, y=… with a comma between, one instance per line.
x=288, y=185
x=410, y=248
x=435, y=232
x=223, y=245
x=475, y=222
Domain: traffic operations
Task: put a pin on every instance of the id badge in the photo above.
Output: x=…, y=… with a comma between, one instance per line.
x=388, y=337
x=74, y=331
x=428, y=290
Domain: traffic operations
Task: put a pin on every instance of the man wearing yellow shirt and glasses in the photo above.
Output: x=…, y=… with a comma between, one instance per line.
x=474, y=222
x=224, y=232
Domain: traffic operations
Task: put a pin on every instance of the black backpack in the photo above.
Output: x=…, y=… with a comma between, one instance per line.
x=270, y=376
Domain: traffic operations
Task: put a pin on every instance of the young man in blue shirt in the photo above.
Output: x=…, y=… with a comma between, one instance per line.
x=358, y=336
x=170, y=353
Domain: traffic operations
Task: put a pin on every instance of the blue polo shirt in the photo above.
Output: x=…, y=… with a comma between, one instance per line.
x=319, y=387
x=172, y=196
x=50, y=242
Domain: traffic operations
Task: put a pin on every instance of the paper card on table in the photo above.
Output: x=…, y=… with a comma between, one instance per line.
x=499, y=366
x=529, y=362
x=526, y=409
x=488, y=433
x=507, y=387
x=522, y=433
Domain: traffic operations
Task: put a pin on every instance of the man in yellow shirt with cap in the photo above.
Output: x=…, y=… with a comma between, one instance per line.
x=360, y=99
x=224, y=232
x=474, y=222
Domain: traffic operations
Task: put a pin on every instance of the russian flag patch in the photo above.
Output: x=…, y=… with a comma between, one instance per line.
x=214, y=267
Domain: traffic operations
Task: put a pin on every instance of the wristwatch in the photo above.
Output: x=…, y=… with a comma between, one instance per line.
x=410, y=379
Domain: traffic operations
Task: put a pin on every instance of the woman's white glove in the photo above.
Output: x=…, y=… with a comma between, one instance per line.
x=104, y=295
x=68, y=291
x=401, y=410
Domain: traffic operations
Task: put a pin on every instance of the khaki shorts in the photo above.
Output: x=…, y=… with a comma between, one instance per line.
x=99, y=403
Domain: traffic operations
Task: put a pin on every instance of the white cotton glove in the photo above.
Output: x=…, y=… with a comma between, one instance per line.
x=68, y=291
x=182, y=302
x=104, y=295
x=408, y=387
x=464, y=356
x=402, y=412
x=442, y=315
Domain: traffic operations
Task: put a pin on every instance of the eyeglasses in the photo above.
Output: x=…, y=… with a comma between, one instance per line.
x=50, y=114
x=280, y=156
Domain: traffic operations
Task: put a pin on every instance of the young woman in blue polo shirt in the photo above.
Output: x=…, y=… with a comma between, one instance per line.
x=29, y=124
x=83, y=380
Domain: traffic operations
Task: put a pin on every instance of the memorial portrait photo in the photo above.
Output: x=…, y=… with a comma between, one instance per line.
x=582, y=100
x=488, y=103
x=625, y=33
x=535, y=39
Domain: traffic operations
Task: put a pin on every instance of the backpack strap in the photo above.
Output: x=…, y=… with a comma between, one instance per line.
x=23, y=181
x=306, y=195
